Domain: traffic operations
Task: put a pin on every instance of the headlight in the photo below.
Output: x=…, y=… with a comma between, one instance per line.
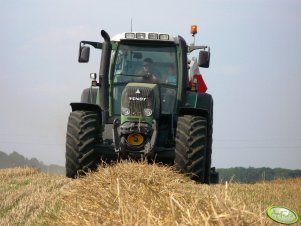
x=140, y=35
x=164, y=37
x=148, y=112
x=130, y=35
x=152, y=36
x=125, y=111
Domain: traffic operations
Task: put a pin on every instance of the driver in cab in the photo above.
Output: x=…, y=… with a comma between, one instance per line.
x=148, y=72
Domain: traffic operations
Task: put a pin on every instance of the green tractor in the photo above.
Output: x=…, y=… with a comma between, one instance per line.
x=149, y=103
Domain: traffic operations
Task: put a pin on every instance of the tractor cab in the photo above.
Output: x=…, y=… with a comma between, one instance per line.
x=150, y=61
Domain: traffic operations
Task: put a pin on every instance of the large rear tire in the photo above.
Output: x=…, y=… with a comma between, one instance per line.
x=83, y=133
x=209, y=146
x=191, y=146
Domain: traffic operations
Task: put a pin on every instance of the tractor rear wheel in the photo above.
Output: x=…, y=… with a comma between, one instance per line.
x=209, y=147
x=83, y=133
x=191, y=146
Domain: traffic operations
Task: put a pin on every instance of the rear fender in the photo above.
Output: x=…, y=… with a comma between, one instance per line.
x=89, y=95
x=194, y=111
x=199, y=104
x=85, y=107
x=205, y=101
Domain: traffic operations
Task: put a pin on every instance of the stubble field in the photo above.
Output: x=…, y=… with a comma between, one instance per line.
x=132, y=193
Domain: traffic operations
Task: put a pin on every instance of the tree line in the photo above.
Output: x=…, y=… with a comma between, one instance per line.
x=251, y=174
x=17, y=160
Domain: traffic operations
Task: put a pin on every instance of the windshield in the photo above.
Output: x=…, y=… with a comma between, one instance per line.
x=154, y=64
x=147, y=64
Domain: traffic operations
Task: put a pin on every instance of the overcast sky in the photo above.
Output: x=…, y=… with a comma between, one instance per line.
x=254, y=76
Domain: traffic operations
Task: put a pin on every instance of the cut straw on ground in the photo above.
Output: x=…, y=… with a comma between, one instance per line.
x=131, y=193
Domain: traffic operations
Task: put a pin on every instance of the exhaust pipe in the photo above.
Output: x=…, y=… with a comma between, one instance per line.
x=184, y=71
x=104, y=76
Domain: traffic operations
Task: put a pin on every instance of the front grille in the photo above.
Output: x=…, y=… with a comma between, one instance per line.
x=137, y=99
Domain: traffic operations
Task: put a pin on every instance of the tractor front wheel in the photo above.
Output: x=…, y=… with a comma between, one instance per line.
x=83, y=133
x=191, y=146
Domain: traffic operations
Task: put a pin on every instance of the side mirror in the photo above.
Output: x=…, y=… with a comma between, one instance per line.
x=84, y=54
x=204, y=59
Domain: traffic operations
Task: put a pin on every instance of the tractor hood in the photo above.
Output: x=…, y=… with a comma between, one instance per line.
x=140, y=102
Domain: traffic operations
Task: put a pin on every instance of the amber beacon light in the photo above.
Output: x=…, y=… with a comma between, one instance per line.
x=193, y=29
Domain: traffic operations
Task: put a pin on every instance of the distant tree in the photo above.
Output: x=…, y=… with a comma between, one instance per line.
x=3, y=155
x=34, y=163
x=3, y=160
x=17, y=159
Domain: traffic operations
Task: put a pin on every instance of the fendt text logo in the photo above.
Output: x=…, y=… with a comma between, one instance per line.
x=282, y=215
x=137, y=98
